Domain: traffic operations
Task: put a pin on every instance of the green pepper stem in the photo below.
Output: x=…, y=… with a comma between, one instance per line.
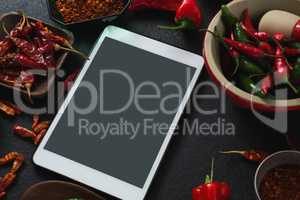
x=292, y=87
x=183, y=24
x=212, y=170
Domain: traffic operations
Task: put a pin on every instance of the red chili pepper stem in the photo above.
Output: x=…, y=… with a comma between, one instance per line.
x=58, y=47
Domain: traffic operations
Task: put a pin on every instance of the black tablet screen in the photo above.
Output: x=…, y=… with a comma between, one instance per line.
x=121, y=112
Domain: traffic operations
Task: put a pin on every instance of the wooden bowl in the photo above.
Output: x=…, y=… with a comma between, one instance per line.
x=58, y=190
x=212, y=54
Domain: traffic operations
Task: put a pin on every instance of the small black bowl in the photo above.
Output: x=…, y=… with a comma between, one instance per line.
x=56, y=16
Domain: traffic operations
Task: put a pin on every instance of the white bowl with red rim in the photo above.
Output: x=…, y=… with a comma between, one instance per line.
x=211, y=54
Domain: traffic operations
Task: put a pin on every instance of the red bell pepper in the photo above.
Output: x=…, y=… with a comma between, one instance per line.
x=211, y=190
x=188, y=16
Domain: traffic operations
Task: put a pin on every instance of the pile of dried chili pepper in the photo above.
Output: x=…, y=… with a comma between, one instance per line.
x=17, y=160
x=81, y=10
x=263, y=63
x=29, y=45
x=39, y=129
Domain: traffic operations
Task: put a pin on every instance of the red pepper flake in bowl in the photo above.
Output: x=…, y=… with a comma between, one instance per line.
x=281, y=183
x=81, y=10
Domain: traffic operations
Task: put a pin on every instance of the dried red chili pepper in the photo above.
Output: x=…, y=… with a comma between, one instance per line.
x=211, y=190
x=35, y=121
x=188, y=16
x=40, y=136
x=250, y=30
x=27, y=79
x=50, y=47
x=13, y=106
x=5, y=46
x=23, y=28
x=23, y=132
x=167, y=5
x=8, y=109
x=42, y=125
x=68, y=82
x=28, y=63
x=8, y=179
x=255, y=156
x=44, y=32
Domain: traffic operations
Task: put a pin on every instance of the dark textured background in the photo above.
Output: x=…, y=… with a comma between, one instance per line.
x=187, y=160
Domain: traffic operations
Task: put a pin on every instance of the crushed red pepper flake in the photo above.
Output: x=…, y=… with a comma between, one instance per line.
x=281, y=183
x=80, y=10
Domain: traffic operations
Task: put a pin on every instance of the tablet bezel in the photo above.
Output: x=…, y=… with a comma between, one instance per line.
x=92, y=177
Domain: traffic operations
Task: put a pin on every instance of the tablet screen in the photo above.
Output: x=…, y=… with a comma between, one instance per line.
x=121, y=112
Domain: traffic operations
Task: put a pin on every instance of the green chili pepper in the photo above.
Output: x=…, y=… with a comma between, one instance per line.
x=228, y=18
x=249, y=67
x=239, y=34
x=295, y=45
x=295, y=74
x=247, y=84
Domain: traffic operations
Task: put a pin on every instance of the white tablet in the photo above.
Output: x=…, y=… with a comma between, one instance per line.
x=114, y=127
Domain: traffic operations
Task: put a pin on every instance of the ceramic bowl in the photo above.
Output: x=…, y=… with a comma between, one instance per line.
x=273, y=161
x=212, y=56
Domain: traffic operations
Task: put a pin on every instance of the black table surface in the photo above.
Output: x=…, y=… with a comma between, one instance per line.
x=188, y=157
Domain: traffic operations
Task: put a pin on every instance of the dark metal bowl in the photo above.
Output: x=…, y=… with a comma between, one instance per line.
x=56, y=16
x=10, y=20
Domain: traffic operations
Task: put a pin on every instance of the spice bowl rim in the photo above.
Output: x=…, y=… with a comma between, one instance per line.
x=100, y=18
x=213, y=66
x=44, y=86
x=264, y=162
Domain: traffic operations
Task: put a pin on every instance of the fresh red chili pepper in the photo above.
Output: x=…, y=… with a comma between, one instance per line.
x=168, y=5
x=68, y=82
x=282, y=70
x=188, y=16
x=5, y=46
x=279, y=37
x=266, y=84
x=23, y=132
x=266, y=47
x=211, y=190
x=255, y=156
x=250, y=30
x=291, y=51
x=246, y=49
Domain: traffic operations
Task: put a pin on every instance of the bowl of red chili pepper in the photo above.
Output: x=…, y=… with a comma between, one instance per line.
x=70, y=12
x=254, y=67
